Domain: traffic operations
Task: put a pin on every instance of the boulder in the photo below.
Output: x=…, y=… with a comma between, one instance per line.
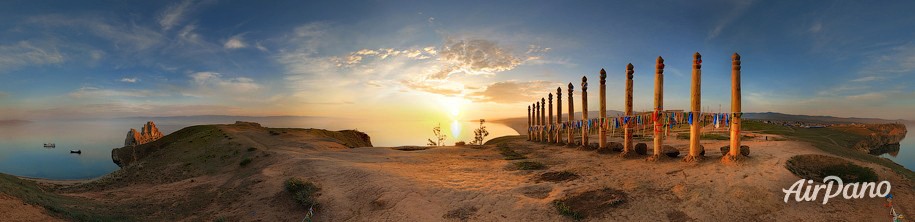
x=744, y=150
x=616, y=147
x=641, y=148
x=670, y=151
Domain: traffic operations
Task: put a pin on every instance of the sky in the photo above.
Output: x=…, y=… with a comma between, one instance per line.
x=417, y=60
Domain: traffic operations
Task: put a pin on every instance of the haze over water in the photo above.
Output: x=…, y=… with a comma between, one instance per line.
x=22, y=154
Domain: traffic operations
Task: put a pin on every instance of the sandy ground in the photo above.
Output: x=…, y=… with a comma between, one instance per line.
x=383, y=184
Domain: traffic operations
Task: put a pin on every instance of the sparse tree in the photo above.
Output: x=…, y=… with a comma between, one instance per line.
x=480, y=133
x=439, y=137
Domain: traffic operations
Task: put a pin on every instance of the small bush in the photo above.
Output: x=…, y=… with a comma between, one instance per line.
x=510, y=154
x=816, y=167
x=302, y=192
x=245, y=162
x=529, y=165
x=250, y=149
x=567, y=211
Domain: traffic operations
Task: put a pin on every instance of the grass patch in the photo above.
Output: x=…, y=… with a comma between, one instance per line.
x=302, y=192
x=245, y=162
x=557, y=176
x=411, y=148
x=816, y=167
x=594, y=202
x=510, y=154
x=704, y=136
x=504, y=139
x=251, y=149
x=529, y=165
x=71, y=208
x=833, y=140
x=567, y=211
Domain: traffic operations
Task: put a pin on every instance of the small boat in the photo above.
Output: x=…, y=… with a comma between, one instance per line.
x=76, y=151
x=50, y=145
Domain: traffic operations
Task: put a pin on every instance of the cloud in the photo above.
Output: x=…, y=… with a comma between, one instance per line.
x=123, y=36
x=173, y=14
x=435, y=87
x=88, y=92
x=261, y=47
x=816, y=27
x=356, y=57
x=213, y=84
x=866, y=79
x=474, y=57
x=25, y=53
x=868, y=96
x=235, y=42
x=513, y=91
x=740, y=7
x=130, y=80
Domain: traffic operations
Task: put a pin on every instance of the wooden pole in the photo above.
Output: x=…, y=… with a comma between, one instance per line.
x=735, y=105
x=695, y=106
x=530, y=135
x=542, y=119
x=558, y=115
x=570, y=132
x=627, y=138
x=601, y=132
x=658, y=108
x=584, y=111
x=536, y=121
x=549, y=128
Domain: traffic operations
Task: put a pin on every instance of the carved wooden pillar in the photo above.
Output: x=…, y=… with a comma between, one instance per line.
x=570, y=132
x=695, y=105
x=530, y=135
x=536, y=121
x=735, y=106
x=584, y=111
x=543, y=119
x=627, y=139
x=558, y=115
x=658, y=108
x=601, y=132
x=549, y=122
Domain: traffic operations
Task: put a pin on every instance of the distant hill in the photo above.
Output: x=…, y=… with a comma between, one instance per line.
x=13, y=122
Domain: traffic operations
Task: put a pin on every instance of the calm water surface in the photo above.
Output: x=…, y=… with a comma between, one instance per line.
x=22, y=154
x=906, y=155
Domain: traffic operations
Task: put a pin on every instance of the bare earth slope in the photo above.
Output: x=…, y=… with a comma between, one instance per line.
x=199, y=177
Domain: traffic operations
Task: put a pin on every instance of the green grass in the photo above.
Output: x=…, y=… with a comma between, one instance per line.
x=71, y=208
x=302, y=192
x=834, y=140
x=817, y=167
x=508, y=153
x=567, y=211
x=530, y=165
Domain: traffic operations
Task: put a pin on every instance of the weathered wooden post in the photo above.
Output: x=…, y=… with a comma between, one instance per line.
x=530, y=136
x=549, y=123
x=536, y=122
x=558, y=115
x=734, y=153
x=570, y=132
x=627, y=139
x=658, y=109
x=602, y=133
x=695, y=148
x=542, y=119
x=584, y=111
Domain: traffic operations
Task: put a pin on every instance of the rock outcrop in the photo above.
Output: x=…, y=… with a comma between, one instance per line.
x=880, y=135
x=147, y=134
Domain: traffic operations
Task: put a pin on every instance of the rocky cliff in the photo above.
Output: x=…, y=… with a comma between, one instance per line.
x=880, y=135
x=147, y=134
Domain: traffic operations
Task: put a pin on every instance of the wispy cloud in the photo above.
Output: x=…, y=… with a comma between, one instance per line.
x=816, y=27
x=214, y=84
x=121, y=35
x=513, y=91
x=130, y=80
x=173, y=14
x=740, y=7
x=89, y=92
x=25, y=53
x=235, y=42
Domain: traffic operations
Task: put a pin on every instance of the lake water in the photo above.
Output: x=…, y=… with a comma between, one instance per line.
x=906, y=154
x=22, y=154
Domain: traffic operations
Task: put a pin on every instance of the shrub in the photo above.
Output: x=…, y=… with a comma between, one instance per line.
x=302, y=192
x=245, y=162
